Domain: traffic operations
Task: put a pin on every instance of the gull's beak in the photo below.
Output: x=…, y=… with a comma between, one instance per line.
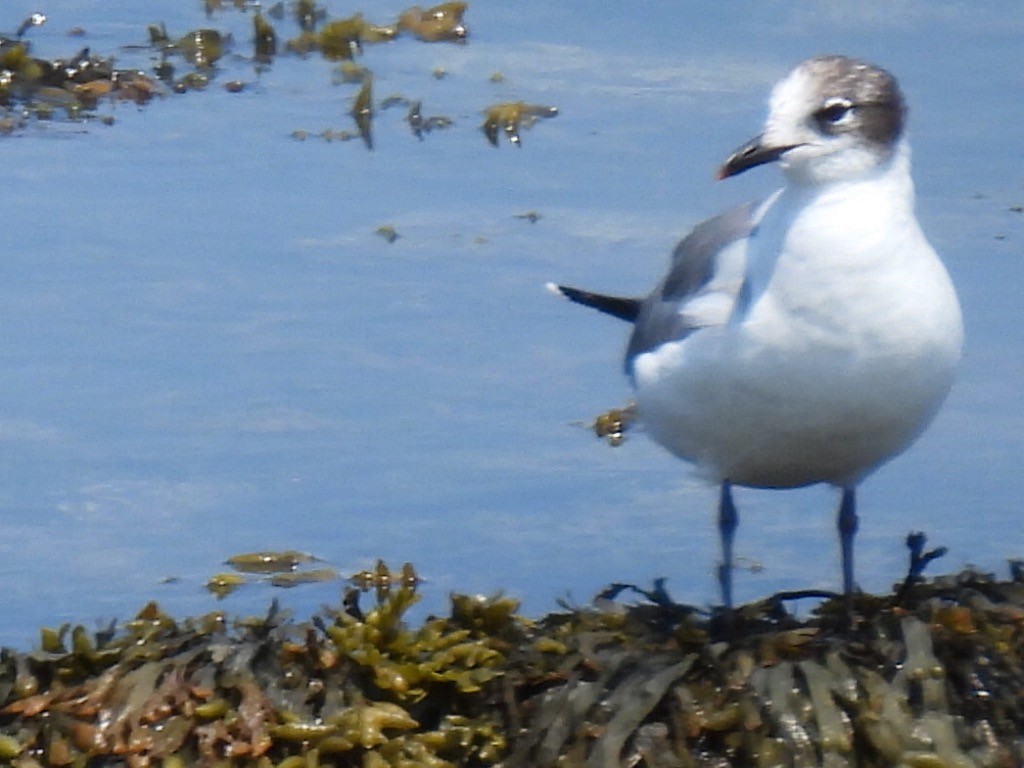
x=754, y=152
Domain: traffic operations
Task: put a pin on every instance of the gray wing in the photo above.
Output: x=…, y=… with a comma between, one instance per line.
x=692, y=279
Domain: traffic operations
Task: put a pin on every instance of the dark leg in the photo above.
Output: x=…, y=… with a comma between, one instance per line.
x=846, y=522
x=727, y=522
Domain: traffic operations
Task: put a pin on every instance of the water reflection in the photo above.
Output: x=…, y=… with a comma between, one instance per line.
x=208, y=349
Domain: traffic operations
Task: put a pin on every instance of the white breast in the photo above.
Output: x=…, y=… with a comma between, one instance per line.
x=840, y=357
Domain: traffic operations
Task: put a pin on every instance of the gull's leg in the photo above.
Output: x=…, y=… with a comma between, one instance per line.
x=727, y=522
x=846, y=522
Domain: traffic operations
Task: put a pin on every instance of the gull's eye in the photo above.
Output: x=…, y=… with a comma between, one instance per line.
x=833, y=114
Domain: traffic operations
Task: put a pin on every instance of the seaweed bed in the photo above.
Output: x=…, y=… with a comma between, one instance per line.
x=929, y=676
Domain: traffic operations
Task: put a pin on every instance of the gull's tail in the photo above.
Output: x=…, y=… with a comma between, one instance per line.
x=616, y=306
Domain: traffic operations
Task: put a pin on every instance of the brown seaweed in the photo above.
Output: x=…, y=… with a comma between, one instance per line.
x=437, y=24
x=929, y=677
x=510, y=117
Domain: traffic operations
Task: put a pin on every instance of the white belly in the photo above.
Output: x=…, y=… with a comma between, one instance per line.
x=784, y=400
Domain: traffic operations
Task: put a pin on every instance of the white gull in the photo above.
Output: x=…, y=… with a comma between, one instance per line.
x=812, y=337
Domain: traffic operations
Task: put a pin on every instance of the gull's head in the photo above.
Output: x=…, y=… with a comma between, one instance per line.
x=831, y=118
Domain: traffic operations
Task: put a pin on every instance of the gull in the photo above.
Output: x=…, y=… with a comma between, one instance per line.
x=811, y=337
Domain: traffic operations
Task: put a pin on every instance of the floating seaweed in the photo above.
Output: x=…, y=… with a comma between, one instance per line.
x=270, y=562
x=437, y=24
x=394, y=100
x=613, y=424
x=308, y=14
x=216, y=5
x=311, y=576
x=200, y=47
x=223, y=584
x=75, y=87
x=264, y=38
x=388, y=232
x=362, y=111
x=510, y=117
x=382, y=578
x=304, y=44
x=341, y=39
x=350, y=72
x=421, y=125
x=284, y=569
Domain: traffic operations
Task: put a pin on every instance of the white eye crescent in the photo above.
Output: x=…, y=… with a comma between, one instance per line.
x=834, y=112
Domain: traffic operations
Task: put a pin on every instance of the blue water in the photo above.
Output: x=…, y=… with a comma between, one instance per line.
x=205, y=347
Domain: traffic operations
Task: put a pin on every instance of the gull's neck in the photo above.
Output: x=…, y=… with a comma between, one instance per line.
x=857, y=172
x=811, y=232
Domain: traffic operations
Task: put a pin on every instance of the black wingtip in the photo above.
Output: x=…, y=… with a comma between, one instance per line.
x=616, y=306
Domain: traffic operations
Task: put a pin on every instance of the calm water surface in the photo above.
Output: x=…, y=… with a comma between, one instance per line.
x=206, y=349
